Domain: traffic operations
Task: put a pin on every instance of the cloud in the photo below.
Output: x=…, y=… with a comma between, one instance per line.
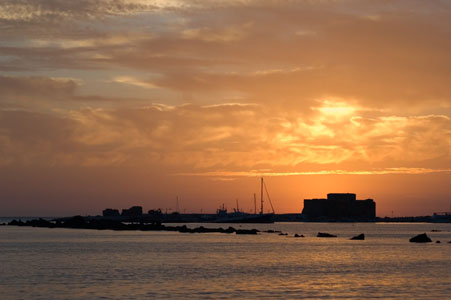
x=263, y=51
x=256, y=173
x=36, y=92
x=286, y=86
x=228, y=137
x=34, y=138
x=37, y=86
x=31, y=10
x=134, y=82
x=227, y=34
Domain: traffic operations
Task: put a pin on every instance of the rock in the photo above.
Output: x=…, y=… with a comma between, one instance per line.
x=421, y=238
x=324, y=234
x=40, y=223
x=75, y=222
x=184, y=229
x=359, y=237
x=283, y=233
x=438, y=242
x=103, y=224
x=230, y=230
x=246, y=231
x=200, y=229
x=16, y=223
x=435, y=230
x=298, y=235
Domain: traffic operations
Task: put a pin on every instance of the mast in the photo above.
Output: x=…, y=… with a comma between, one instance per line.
x=261, y=195
x=255, y=204
x=269, y=198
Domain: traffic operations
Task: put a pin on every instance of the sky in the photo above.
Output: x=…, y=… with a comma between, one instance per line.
x=109, y=103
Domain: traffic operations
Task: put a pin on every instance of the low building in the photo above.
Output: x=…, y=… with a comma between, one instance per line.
x=109, y=212
x=134, y=211
x=339, y=206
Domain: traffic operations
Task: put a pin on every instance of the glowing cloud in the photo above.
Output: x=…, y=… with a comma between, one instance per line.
x=134, y=82
x=219, y=89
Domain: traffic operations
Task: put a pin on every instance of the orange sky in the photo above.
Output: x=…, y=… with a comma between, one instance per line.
x=137, y=102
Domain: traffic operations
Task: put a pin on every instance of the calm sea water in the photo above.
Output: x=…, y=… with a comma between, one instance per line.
x=39, y=263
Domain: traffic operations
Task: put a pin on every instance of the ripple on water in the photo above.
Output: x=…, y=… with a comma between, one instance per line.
x=81, y=264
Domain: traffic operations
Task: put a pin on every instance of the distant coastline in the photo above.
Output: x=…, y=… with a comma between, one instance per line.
x=208, y=218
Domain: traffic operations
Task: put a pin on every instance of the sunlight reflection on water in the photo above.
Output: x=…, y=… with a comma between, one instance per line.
x=39, y=263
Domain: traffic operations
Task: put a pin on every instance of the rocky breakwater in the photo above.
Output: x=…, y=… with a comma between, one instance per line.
x=79, y=222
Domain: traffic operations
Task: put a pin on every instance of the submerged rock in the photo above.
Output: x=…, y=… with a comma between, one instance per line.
x=325, y=234
x=438, y=242
x=421, y=238
x=359, y=237
x=298, y=235
x=246, y=231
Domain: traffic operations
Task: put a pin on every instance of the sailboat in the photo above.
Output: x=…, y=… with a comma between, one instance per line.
x=241, y=217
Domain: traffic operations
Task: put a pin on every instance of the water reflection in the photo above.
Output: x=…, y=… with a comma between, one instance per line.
x=39, y=263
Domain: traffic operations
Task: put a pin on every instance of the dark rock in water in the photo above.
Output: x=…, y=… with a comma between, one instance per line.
x=272, y=231
x=200, y=229
x=435, y=230
x=246, y=231
x=283, y=233
x=438, y=242
x=16, y=223
x=325, y=234
x=40, y=223
x=75, y=222
x=298, y=235
x=421, y=238
x=359, y=237
x=103, y=224
x=230, y=230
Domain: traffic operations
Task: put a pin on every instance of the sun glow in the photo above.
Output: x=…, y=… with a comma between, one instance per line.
x=135, y=91
x=336, y=108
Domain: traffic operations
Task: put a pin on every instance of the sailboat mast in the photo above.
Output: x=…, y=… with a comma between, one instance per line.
x=261, y=196
x=255, y=204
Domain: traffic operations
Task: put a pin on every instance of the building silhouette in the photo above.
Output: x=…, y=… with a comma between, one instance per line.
x=109, y=212
x=134, y=211
x=339, y=207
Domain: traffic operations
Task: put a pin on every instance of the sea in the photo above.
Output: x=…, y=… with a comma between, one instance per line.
x=42, y=263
